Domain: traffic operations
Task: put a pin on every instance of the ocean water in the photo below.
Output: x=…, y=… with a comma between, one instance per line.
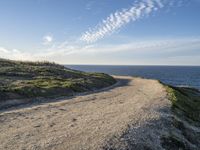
x=187, y=76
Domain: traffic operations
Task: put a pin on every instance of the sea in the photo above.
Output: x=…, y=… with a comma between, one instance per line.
x=181, y=76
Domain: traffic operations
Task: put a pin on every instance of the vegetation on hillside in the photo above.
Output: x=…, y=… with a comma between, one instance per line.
x=21, y=80
x=186, y=101
x=186, y=119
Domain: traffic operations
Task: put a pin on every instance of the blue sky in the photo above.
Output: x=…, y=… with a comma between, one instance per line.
x=123, y=32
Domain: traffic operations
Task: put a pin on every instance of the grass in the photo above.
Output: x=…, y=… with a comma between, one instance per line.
x=21, y=80
x=185, y=101
x=186, y=107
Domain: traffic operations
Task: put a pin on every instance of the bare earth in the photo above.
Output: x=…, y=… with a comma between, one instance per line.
x=89, y=121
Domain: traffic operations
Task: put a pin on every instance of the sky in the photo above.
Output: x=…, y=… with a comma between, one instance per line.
x=104, y=32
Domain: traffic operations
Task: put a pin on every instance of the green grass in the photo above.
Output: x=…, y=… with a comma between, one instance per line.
x=185, y=101
x=21, y=80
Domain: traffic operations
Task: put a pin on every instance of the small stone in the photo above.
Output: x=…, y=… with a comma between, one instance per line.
x=74, y=119
x=36, y=126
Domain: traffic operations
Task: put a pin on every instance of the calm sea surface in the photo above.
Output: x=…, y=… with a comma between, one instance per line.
x=173, y=75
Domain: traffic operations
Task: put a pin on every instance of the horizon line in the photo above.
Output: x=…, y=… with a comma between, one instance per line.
x=165, y=65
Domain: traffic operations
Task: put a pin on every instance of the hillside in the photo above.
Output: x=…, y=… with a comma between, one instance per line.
x=25, y=80
x=185, y=102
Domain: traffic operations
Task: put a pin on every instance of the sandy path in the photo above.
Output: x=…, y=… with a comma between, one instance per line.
x=84, y=122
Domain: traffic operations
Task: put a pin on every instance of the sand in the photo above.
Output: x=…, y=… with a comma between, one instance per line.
x=89, y=121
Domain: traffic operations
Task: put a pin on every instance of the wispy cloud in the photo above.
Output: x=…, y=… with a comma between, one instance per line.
x=3, y=50
x=120, y=18
x=47, y=39
x=89, y=5
x=155, y=46
x=67, y=53
x=15, y=54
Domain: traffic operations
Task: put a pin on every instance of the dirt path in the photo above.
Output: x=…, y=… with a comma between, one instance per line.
x=83, y=122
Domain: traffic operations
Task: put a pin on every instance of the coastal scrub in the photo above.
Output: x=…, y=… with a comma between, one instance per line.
x=21, y=80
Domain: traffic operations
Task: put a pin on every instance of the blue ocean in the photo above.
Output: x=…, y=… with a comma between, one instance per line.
x=187, y=76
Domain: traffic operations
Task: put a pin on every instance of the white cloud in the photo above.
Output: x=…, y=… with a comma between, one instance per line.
x=47, y=39
x=3, y=50
x=66, y=53
x=149, y=46
x=15, y=54
x=120, y=18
